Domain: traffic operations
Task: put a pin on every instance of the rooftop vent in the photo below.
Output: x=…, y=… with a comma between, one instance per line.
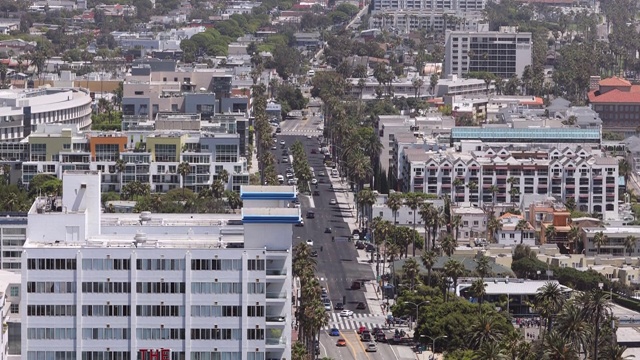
x=145, y=216
x=140, y=237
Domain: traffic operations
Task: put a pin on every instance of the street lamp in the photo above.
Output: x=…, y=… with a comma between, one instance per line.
x=433, y=343
x=417, y=308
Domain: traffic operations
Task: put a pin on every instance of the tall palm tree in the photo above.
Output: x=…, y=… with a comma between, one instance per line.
x=365, y=199
x=380, y=230
x=485, y=330
x=426, y=212
x=493, y=226
x=454, y=269
x=184, y=169
x=549, y=301
x=428, y=260
x=394, y=203
x=479, y=290
x=556, y=347
x=595, y=304
x=616, y=352
x=490, y=351
x=574, y=237
x=457, y=182
x=493, y=189
x=522, y=226
x=574, y=326
x=410, y=271
x=630, y=243
x=413, y=201
x=121, y=166
x=456, y=222
x=448, y=245
x=550, y=233
x=483, y=267
x=600, y=239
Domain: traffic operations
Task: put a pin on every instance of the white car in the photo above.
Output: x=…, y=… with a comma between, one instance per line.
x=320, y=127
x=346, y=313
x=332, y=202
x=314, y=181
x=310, y=242
x=283, y=142
x=308, y=136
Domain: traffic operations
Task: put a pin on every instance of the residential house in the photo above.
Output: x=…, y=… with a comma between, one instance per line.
x=473, y=223
x=513, y=232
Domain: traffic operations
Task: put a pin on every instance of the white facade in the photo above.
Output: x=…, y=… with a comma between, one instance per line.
x=408, y=20
x=404, y=215
x=13, y=234
x=562, y=173
x=399, y=88
x=464, y=5
x=116, y=286
x=46, y=105
x=473, y=223
x=504, y=53
x=509, y=235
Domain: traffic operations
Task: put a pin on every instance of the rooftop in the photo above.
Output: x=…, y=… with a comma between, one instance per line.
x=515, y=287
x=525, y=133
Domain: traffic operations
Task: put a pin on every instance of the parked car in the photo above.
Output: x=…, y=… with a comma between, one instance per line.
x=361, y=306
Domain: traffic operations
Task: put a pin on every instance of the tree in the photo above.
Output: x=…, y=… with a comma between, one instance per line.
x=483, y=266
x=233, y=199
x=548, y=301
x=595, y=304
x=573, y=236
x=413, y=201
x=556, y=347
x=454, y=269
x=448, y=245
x=428, y=260
x=217, y=188
x=287, y=61
x=630, y=243
x=410, y=272
x=394, y=203
x=550, y=233
x=485, y=330
x=522, y=226
x=600, y=239
x=479, y=290
x=121, y=166
x=184, y=169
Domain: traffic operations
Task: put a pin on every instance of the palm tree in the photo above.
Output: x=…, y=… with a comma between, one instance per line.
x=380, y=230
x=479, y=290
x=457, y=182
x=493, y=189
x=121, y=166
x=595, y=304
x=485, y=330
x=428, y=260
x=550, y=233
x=630, y=243
x=573, y=325
x=600, y=239
x=483, y=267
x=365, y=199
x=454, y=269
x=549, y=301
x=410, y=271
x=184, y=169
x=616, y=352
x=233, y=199
x=489, y=351
x=574, y=237
x=413, y=201
x=456, y=222
x=522, y=226
x=556, y=347
x=394, y=203
x=224, y=176
x=448, y=245
x=426, y=213
x=217, y=189
x=493, y=226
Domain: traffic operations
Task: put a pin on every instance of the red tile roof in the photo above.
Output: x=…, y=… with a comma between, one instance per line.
x=614, y=81
x=616, y=96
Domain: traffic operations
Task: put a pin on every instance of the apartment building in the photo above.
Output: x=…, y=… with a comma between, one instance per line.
x=504, y=53
x=408, y=20
x=617, y=101
x=157, y=86
x=403, y=87
x=21, y=110
x=150, y=157
x=453, y=85
x=473, y=221
x=544, y=215
x=563, y=173
x=614, y=238
x=152, y=286
x=404, y=216
x=13, y=234
x=422, y=5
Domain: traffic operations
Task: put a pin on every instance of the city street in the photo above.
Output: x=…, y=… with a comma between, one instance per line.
x=338, y=263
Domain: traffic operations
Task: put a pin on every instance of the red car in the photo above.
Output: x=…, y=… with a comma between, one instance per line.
x=362, y=329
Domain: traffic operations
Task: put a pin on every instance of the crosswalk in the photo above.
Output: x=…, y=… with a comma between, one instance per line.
x=301, y=131
x=354, y=322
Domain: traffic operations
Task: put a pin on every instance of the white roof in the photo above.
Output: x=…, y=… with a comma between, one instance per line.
x=516, y=287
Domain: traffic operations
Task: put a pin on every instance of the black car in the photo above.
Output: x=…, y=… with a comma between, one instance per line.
x=361, y=306
x=371, y=248
x=316, y=193
x=310, y=214
x=339, y=306
x=313, y=253
x=327, y=230
x=360, y=245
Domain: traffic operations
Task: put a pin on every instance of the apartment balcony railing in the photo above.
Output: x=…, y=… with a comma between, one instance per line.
x=276, y=272
x=277, y=295
x=276, y=341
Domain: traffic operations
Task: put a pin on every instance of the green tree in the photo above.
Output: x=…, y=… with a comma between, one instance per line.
x=184, y=169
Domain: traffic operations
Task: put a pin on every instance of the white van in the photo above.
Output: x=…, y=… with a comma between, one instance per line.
x=281, y=179
x=311, y=73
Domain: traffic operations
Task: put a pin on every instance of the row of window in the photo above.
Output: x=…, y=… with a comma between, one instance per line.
x=106, y=333
x=53, y=355
x=106, y=355
x=160, y=334
x=145, y=310
x=216, y=334
x=160, y=287
x=51, y=310
x=255, y=264
x=216, y=264
x=106, y=310
x=125, y=355
x=51, y=264
x=160, y=264
x=106, y=264
x=216, y=288
x=51, y=287
x=51, y=333
x=106, y=287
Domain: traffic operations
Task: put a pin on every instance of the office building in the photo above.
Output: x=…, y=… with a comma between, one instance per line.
x=157, y=286
x=504, y=53
x=591, y=180
x=21, y=110
x=429, y=5
x=617, y=102
x=408, y=20
x=149, y=157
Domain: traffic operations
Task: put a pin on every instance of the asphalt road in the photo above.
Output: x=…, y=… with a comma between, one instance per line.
x=336, y=266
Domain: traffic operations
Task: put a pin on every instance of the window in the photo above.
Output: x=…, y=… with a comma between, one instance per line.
x=216, y=288
x=160, y=287
x=255, y=265
x=255, y=334
x=226, y=153
x=14, y=291
x=255, y=311
x=106, y=333
x=160, y=264
x=51, y=264
x=14, y=308
x=255, y=288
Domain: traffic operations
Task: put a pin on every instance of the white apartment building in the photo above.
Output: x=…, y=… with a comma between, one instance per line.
x=13, y=234
x=10, y=312
x=473, y=222
x=455, y=86
x=464, y=5
x=510, y=234
x=614, y=240
x=157, y=286
x=408, y=20
x=504, y=53
x=405, y=213
x=403, y=87
x=563, y=173
x=21, y=110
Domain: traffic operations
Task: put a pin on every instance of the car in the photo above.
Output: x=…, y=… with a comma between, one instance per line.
x=285, y=160
x=313, y=253
x=361, y=306
x=291, y=182
x=311, y=214
x=346, y=313
x=338, y=306
x=282, y=142
x=334, y=332
x=361, y=329
x=308, y=136
x=360, y=245
x=300, y=224
x=314, y=151
x=320, y=173
x=324, y=292
x=309, y=242
x=333, y=202
x=314, y=181
x=273, y=147
x=327, y=306
x=341, y=342
x=372, y=347
x=356, y=285
x=320, y=128
x=327, y=230
x=381, y=337
x=316, y=193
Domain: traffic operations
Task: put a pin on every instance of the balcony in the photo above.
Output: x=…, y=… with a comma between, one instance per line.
x=276, y=295
x=276, y=272
x=277, y=342
x=277, y=320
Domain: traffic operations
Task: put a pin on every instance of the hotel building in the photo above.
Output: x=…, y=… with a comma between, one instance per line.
x=157, y=286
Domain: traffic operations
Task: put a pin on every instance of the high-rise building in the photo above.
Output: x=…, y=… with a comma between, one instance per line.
x=504, y=53
x=157, y=286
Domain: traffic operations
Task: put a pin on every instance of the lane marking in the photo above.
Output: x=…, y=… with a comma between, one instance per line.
x=353, y=351
x=363, y=348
